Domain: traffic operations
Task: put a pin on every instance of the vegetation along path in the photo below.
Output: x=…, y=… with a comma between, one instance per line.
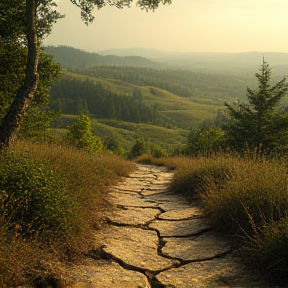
x=154, y=238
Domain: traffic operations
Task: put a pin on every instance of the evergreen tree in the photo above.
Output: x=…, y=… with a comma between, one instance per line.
x=259, y=123
x=139, y=148
x=80, y=135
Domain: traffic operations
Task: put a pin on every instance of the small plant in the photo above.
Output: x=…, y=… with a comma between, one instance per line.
x=80, y=135
x=138, y=149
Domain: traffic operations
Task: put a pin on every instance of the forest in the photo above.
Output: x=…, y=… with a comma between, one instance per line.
x=72, y=127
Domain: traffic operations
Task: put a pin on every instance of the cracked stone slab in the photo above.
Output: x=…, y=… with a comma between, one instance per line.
x=133, y=216
x=220, y=272
x=136, y=247
x=167, y=197
x=181, y=214
x=154, y=191
x=177, y=204
x=130, y=199
x=180, y=228
x=204, y=246
x=93, y=274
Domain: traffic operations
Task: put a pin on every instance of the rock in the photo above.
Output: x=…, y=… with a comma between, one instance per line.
x=180, y=228
x=136, y=247
x=196, y=248
x=130, y=200
x=220, y=272
x=133, y=216
x=104, y=275
x=181, y=214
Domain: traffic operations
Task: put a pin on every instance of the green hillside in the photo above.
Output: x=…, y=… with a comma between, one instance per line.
x=184, y=112
x=127, y=133
x=72, y=58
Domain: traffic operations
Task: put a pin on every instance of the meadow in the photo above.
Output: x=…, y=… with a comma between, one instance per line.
x=127, y=133
x=194, y=109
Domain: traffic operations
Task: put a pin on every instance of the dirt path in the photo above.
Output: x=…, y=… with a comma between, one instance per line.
x=156, y=239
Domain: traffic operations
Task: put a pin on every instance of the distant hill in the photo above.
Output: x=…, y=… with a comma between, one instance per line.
x=143, y=52
x=73, y=58
x=243, y=63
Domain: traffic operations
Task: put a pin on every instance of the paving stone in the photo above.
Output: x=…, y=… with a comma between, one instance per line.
x=154, y=190
x=181, y=214
x=199, y=247
x=136, y=247
x=180, y=228
x=104, y=275
x=220, y=272
x=129, y=199
x=133, y=216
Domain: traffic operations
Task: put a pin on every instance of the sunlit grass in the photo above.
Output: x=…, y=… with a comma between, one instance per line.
x=51, y=198
x=246, y=197
x=186, y=112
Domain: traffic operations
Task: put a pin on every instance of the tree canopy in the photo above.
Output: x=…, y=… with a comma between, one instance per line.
x=259, y=123
x=23, y=25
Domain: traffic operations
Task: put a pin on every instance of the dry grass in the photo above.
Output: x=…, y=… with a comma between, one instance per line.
x=51, y=206
x=246, y=196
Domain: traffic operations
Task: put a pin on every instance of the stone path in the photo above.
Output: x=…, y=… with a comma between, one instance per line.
x=156, y=239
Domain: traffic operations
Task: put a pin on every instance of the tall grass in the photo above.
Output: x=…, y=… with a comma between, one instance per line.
x=51, y=198
x=247, y=197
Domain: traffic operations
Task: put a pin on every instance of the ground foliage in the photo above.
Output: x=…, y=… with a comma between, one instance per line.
x=51, y=198
x=247, y=198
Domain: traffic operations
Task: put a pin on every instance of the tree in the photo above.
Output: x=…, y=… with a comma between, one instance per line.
x=27, y=22
x=23, y=25
x=80, y=135
x=139, y=148
x=205, y=139
x=259, y=122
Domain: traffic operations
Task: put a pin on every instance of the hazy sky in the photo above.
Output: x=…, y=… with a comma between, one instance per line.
x=185, y=25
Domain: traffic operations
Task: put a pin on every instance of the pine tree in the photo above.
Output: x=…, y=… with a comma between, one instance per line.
x=259, y=123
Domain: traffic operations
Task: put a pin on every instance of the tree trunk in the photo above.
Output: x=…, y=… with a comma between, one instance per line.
x=12, y=120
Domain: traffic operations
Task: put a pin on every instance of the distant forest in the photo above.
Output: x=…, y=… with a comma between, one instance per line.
x=72, y=58
x=76, y=96
x=184, y=83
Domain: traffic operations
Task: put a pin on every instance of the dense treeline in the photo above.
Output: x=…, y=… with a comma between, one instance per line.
x=72, y=58
x=183, y=83
x=77, y=96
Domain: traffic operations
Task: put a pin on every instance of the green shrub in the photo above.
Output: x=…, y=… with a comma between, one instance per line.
x=139, y=148
x=80, y=135
x=51, y=200
x=35, y=200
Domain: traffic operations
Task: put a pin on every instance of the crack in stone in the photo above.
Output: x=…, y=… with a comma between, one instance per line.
x=181, y=219
x=197, y=233
x=179, y=262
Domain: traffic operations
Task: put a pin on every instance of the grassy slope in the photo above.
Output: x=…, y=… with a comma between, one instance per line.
x=185, y=112
x=127, y=133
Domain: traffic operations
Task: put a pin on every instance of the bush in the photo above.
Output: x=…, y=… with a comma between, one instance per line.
x=138, y=149
x=51, y=199
x=80, y=135
x=34, y=199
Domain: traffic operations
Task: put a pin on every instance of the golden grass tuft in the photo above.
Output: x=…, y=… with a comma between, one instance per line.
x=81, y=181
x=246, y=196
